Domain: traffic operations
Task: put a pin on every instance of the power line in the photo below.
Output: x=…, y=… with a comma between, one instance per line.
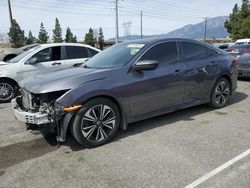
x=156, y=9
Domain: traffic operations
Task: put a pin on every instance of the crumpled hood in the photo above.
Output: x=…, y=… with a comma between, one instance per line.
x=62, y=80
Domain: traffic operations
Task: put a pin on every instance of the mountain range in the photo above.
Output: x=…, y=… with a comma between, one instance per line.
x=215, y=29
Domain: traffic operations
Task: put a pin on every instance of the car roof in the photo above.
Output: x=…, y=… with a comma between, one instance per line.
x=239, y=45
x=162, y=39
x=68, y=44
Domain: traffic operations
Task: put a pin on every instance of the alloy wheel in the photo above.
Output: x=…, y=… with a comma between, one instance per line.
x=98, y=123
x=222, y=93
x=6, y=91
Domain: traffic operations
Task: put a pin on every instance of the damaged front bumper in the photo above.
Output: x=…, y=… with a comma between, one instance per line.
x=60, y=121
x=37, y=118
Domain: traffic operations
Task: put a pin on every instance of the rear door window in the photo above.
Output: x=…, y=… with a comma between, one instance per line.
x=92, y=52
x=192, y=51
x=76, y=52
x=164, y=53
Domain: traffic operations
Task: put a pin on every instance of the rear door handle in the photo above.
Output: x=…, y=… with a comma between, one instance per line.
x=177, y=70
x=56, y=63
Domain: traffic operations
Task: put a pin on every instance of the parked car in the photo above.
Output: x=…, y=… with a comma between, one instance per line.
x=243, y=41
x=9, y=53
x=126, y=83
x=238, y=49
x=242, y=53
x=223, y=46
x=41, y=58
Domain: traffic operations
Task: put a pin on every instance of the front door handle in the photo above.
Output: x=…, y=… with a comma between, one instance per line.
x=56, y=63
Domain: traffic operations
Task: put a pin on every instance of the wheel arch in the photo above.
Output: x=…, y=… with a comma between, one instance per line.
x=9, y=79
x=9, y=56
x=67, y=120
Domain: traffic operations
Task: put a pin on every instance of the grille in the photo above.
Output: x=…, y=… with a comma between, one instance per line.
x=26, y=99
x=30, y=119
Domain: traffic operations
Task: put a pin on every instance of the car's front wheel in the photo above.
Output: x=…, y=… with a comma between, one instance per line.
x=96, y=123
x=6, y=91
x=220, y=94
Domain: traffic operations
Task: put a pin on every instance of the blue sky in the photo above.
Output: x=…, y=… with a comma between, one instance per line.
x=159, y=16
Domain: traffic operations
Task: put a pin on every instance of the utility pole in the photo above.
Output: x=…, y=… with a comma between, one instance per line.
x=141, y=24
x=205, y=32
x=116, y=22
x=10, y=13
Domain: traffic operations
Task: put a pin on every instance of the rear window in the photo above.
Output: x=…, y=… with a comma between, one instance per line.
x=76, y=52
x=193, y=51
x=92, y=52
x=239, y=49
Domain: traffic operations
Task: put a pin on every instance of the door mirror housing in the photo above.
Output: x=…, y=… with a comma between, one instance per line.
x=32, y=61
x=145, y=65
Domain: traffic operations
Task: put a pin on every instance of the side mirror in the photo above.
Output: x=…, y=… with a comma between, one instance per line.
x=145, y=65
x=32, y=61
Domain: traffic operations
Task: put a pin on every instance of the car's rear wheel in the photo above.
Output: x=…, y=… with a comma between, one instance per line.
x=6, y=91
x=96, y=123
x=220, y=94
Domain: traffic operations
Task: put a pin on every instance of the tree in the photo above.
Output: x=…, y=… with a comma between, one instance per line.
x=16, y=35
x=89, y=38
x=245, y=31
x=43, y=35
x=100, y=39
x=30, y=39
x=238, y=23
x=69, y=35
x=74, y=39
x=57, y=32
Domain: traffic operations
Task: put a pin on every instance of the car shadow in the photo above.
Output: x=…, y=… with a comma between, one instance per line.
x=244, y=79
x=163, y=120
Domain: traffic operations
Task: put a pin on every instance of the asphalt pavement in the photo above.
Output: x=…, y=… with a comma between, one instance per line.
x=173, y=150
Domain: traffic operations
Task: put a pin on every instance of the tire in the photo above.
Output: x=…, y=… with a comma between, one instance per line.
x=7, y=91
x=220, y=94
x=90, y=128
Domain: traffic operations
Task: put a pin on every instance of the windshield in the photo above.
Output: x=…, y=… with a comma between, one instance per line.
x=23, y=55
x=115, y=56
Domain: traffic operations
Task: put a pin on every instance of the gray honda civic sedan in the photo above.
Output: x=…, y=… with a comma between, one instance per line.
x=126, y=83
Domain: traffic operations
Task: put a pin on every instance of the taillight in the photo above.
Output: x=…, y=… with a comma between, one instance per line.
x=235, y=62
x=245, y=51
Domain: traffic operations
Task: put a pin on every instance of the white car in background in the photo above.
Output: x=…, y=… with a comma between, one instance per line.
x=41, y=58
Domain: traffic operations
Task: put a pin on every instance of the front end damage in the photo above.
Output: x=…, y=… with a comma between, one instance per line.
x=43, y=111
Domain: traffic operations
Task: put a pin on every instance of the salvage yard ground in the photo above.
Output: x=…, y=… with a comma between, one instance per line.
x=172, y=150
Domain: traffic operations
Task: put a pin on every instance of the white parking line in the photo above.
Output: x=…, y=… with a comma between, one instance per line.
x=218, y=170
